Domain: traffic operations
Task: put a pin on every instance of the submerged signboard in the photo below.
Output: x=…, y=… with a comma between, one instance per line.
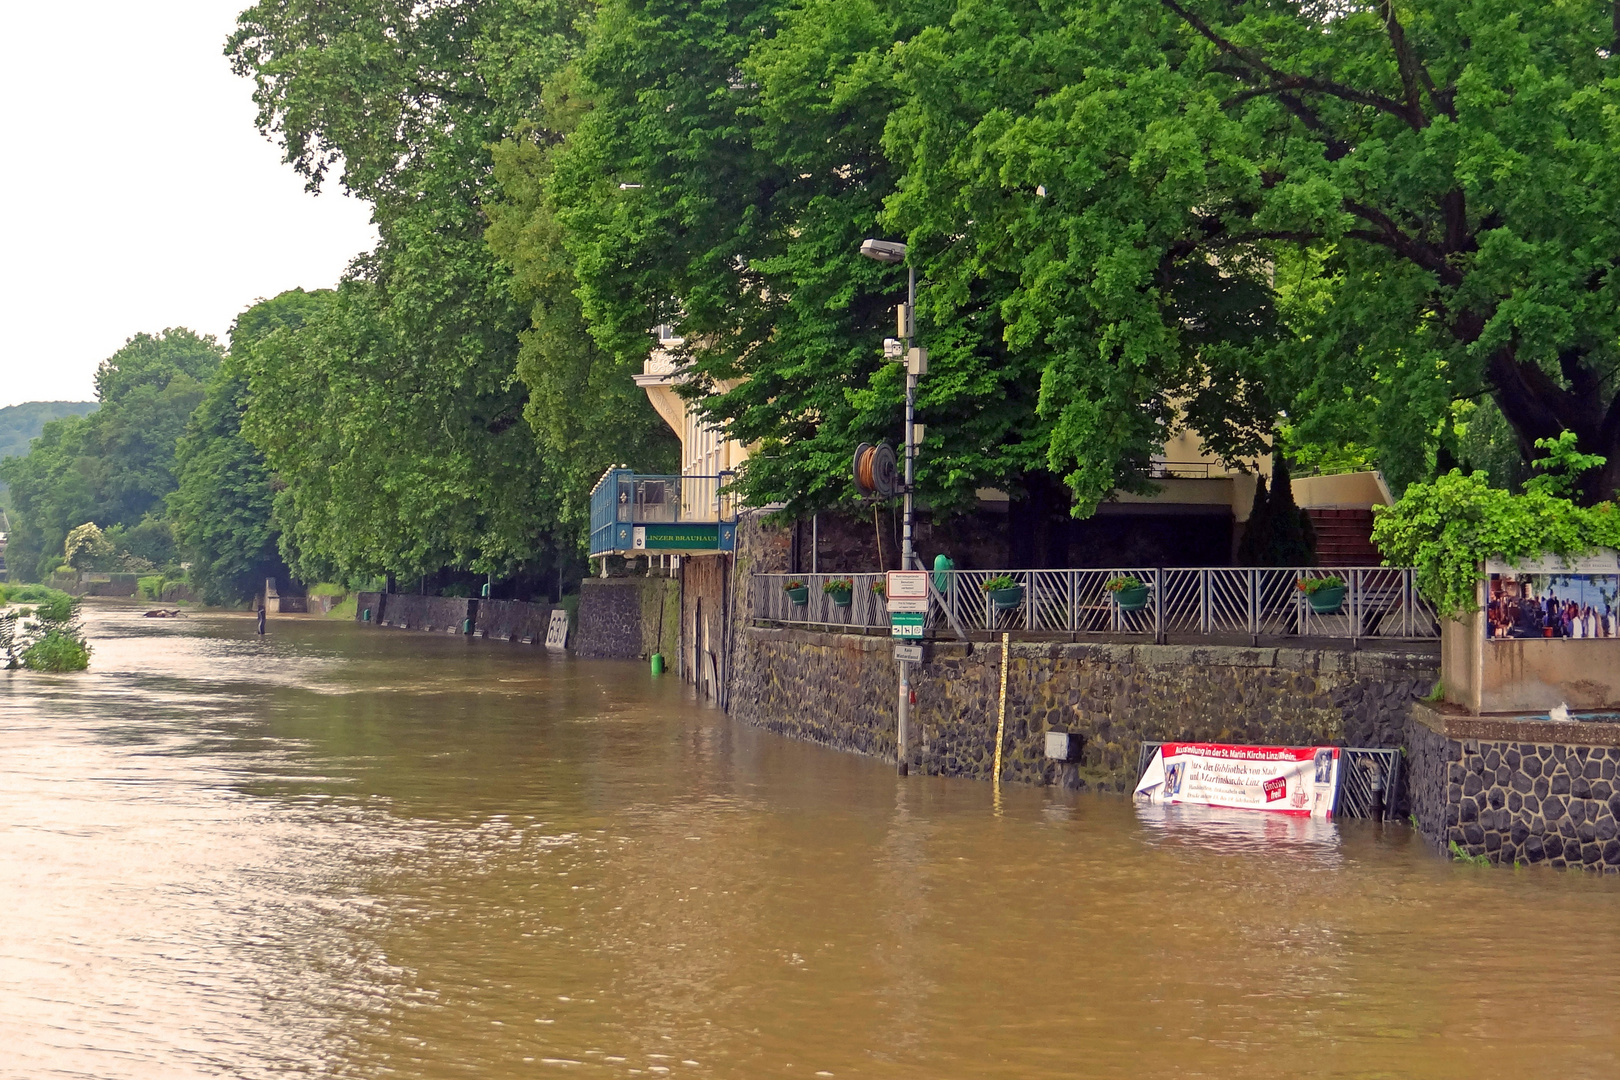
x=1298, y=780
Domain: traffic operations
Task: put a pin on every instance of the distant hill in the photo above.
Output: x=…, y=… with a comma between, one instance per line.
x=21, y=424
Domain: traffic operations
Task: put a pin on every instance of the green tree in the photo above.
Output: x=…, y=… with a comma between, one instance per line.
x=729, y=166
x=1215, y=211
x=395, y=421
x=115, y=466
x=221, y=508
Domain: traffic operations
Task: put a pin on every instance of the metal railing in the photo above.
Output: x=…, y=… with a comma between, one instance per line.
x=1379, y=602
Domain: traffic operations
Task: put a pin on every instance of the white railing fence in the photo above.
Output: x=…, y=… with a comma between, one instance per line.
x=1255, y=602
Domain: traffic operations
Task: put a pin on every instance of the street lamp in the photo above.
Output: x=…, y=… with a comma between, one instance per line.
x=890, y=251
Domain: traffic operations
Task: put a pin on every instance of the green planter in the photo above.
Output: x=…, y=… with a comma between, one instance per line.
x=800, y=596
x=841, y=597
x=1132, y=598
x=1327, y=601
x=1006, y=599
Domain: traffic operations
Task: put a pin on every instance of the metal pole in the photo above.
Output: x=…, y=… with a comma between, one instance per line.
x=907, y=557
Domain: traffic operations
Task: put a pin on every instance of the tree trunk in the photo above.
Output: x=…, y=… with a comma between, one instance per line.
x=1538, y=407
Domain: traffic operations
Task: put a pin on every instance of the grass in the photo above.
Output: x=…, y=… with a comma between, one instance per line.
x=345, y=610
x=326, y=588
x=29, y=594
x=1459, y=855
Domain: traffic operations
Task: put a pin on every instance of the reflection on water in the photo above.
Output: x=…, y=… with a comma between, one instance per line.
x=369, y=853
x=1250, y=833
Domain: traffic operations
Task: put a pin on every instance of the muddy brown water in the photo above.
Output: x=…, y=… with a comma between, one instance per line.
x=356, y=852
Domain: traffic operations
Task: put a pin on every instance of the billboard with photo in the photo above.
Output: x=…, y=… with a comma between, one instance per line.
x=1569, y=606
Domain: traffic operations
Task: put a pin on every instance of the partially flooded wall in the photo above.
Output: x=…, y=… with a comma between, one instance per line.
x=841, y=690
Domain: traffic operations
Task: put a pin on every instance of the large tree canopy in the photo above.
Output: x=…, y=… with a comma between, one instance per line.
x=722, y=180
x=395, y=421
x=1359, y=214
x=221, y=508
x=115, y=466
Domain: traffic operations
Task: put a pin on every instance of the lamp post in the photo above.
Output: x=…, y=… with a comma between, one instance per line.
x=889, y=251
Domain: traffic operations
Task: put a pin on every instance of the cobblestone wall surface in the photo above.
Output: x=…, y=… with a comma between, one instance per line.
x=841, y=690
x=1518, y=800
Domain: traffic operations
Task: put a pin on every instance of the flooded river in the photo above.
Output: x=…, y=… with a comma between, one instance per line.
x=370, y=853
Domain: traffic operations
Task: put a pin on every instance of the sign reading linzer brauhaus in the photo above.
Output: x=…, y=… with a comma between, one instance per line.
x=1301, y=780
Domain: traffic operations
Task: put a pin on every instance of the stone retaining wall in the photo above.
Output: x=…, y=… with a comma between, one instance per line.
x=1517, y=791
x=840, y=690
x=447, y=614
x=620, y=618
x=513, y=620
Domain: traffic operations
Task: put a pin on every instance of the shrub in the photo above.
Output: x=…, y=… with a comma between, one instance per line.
x=1000, y=581
x=56, y=642
x=1448, y=527
x=1120, y=584
x=57, y=650
x=838, y=584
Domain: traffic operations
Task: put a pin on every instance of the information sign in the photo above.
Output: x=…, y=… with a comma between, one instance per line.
x=906, y=624
x=913, y=653
x=906, y=585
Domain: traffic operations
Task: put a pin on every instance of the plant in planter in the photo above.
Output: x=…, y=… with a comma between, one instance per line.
x=1326, y=594
x=880, y=587
x=841, y=590
x=1004, y=591
x=1130, y=593
x=798, y=592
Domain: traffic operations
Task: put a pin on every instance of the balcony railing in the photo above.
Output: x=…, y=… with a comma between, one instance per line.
x=635, y=512
x=1251, y=603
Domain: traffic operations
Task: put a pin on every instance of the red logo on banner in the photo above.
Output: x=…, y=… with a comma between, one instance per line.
x=1276, y=788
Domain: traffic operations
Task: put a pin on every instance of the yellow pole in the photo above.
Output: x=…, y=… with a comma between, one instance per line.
x=1001, y=717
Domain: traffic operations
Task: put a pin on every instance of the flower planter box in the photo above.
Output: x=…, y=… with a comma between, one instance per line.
x=799, y=597
x=1327, y=601
x=841, y=597
x=1132, y=598
x=1006, y=599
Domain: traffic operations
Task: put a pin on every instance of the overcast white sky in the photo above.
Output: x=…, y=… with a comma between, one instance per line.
x=137, y=193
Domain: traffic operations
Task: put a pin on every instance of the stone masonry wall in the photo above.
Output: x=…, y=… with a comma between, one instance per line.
x=840, y=690
x=445, y=614
x=1517, y=791
x=513, y=620
x=623, y=618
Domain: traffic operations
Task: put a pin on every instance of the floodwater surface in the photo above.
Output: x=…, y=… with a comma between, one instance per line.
x=355, y=852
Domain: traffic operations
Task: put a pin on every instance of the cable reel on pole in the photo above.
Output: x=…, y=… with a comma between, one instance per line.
x=875, y=470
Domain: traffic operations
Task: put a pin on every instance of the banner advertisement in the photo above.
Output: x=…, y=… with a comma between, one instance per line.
x=1298, y=780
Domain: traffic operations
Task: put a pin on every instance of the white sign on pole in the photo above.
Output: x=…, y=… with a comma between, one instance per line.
x=906, y=585
x=911, y=653
x=557, y=631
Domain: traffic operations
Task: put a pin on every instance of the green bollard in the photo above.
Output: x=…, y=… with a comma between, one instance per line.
x=657, y=663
